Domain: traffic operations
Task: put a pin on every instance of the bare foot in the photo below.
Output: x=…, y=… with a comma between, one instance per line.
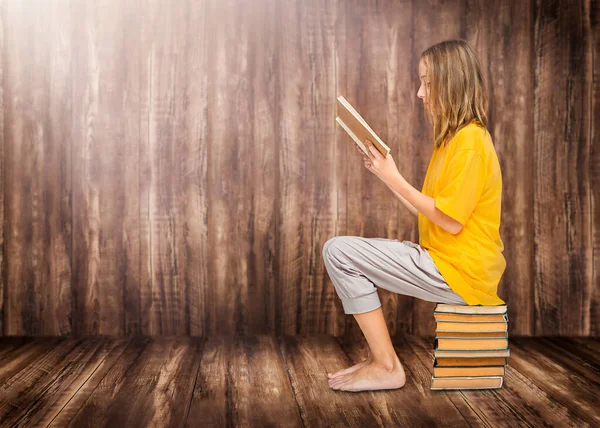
x=351, y=369
x=370, y=377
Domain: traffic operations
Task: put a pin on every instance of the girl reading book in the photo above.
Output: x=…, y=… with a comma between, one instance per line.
x=458, y=259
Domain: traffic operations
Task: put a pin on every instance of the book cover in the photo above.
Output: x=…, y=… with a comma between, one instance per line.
x=471, y=334
x=470, y=344
x=474, y=309
x=469, y=362
x=472, y=326
x=464, y=382
x=444, y=316
x=437, y=353
x=458, y=371
x=357, y=128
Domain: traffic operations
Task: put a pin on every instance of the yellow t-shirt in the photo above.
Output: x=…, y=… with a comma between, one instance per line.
x=465, y=180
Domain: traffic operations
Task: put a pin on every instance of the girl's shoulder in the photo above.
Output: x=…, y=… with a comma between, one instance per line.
x=470, y=137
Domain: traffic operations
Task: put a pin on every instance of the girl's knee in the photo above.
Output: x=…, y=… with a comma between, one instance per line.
x=338, y=248
x=330, y=246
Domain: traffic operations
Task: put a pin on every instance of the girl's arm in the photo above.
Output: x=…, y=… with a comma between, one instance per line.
x=407, y=204
x=424, y=204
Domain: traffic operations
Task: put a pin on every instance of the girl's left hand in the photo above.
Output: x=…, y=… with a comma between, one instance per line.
x=383, y=167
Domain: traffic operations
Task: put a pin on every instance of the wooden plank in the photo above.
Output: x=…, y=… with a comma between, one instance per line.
x=22, y=357
x=587, y=349
x=73, y=373
x=594, y=137
x=563, y=250
x=241, y=166
x=2, y=168
x=566, y=388
x=210, y=404
x=27, y=395
x=499, y=32
x=563, y=352
x=37, y=146
x=244, y=382
x=415, y=404
x=106, y=251
x=173, y=156
x=592, y=343
x=8, y=345
x=194, y=164
x=308, y=359
x=518, y=402
x=73, y=398
x=97, y=395
x=154, y=388
x=263, y=35
x=306, y=201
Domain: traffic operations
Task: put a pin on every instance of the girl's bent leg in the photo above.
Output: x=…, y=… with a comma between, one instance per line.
x=376, y=332
x=383, y=369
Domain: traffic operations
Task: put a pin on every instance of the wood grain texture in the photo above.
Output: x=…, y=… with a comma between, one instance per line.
x=562, y=206
x=173, y=158
x=30, y=392
x=536, y=361
x=305, y=156
x=163, y=287
x=2, y=169
x=243, y=382
x=177, y=171
x=595, y=169
x=262, y=380
x=37, y=169
x=106, y=161
x=151, y=382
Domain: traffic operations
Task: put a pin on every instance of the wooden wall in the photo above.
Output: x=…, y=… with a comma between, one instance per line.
x=174, y=167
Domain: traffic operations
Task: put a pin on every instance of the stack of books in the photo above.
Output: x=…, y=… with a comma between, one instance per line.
x=470, y=347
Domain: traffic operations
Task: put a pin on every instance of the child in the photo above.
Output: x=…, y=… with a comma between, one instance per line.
x=459, y=256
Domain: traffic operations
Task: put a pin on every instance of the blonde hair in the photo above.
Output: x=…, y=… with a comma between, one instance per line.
x=458, y=92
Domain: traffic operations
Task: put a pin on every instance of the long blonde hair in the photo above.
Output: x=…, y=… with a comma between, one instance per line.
x=458, y=92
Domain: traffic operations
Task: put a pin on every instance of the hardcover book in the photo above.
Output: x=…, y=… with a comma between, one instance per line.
x=357, y=128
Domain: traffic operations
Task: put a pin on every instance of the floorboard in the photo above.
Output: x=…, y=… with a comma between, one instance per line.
x=265, y=380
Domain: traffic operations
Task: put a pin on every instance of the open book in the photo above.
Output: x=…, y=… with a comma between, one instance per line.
x=357, y=128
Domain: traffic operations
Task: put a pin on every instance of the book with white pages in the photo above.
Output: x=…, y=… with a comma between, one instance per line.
x=357, y=128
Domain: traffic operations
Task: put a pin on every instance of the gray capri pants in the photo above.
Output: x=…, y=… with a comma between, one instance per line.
x=356, y=265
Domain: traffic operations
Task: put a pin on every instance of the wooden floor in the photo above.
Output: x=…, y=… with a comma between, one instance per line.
x=267, y=381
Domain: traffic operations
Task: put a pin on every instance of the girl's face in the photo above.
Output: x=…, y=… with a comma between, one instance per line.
x=423, y=92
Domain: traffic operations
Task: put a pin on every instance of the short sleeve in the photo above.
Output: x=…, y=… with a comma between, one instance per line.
x=463, y=185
